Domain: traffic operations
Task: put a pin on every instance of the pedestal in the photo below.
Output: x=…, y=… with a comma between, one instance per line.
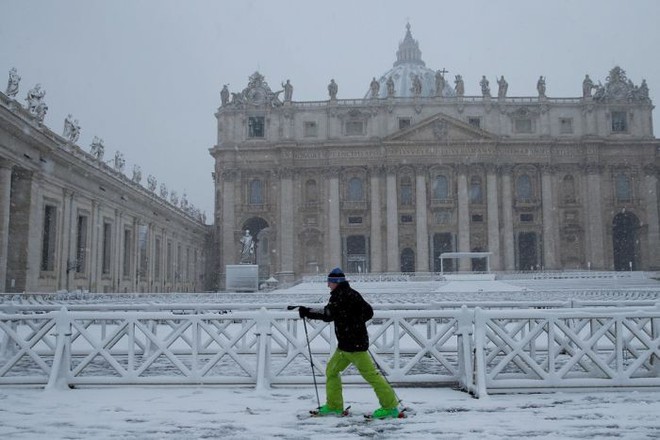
x=242, y=277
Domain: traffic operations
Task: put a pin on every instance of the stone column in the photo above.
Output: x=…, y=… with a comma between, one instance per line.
x=594, y=215
x=493, y=218
x=5, y=203
x=35, y=230
x=507, y=218
x=549, y=219
x=334, y=232
x=229, y=244
x=463, y=219
x=376, y=222
x=651, y=198
x=94, y=232
x=66, y=256
x=421, y=214
x=392, y=222
x=286, y=237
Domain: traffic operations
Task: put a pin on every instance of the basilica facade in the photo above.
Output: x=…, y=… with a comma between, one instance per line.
x=416, y=168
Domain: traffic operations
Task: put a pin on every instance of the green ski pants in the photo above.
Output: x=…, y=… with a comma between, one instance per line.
x=339, y=361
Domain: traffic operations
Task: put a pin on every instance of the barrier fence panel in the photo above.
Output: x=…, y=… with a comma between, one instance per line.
x=536, y=350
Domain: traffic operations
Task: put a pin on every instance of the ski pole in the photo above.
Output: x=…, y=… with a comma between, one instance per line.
x=311, y=362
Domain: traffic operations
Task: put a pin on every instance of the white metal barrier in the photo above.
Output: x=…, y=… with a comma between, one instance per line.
x=587, y=348
x=480, y=350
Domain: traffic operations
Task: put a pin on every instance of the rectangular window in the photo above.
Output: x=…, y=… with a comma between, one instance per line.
x=406, y=218
x=443, y=217
x=157, y=259
x=526, y=218
x=81, y=244
x=48, y=238
x=565, y=125
x=354, y=220
x=619, y=122
x=256, y=127
x=523, y=125
x=107, y=248
x=354, y=128
x=179, y=265
x=404, y=123
x=477, y=218
x=126, y=269
x=475, y=122
x=310, y=129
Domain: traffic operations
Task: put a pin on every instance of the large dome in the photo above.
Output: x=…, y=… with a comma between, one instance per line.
x=408, y=64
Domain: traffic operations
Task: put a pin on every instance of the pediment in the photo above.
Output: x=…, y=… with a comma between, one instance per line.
x=441, y=127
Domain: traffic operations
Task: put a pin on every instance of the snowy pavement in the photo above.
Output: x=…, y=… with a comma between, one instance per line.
x=149, y=413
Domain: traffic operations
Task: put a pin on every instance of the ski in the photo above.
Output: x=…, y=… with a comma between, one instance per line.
x=315, y=413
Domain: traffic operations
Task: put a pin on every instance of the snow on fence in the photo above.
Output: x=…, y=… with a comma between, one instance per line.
x=480, y=350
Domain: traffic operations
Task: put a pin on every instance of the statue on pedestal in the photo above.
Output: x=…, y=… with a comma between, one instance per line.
x=485, y=87
x=587, y=87
x=540, y=87
x=71, y=129
x=390, y=87
x=247, y=248
x=224, y=95
x=288, y=91
x=503, y=87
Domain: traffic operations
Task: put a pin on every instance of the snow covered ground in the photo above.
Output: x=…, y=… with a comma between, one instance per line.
x=150, y=413
x=203, y=412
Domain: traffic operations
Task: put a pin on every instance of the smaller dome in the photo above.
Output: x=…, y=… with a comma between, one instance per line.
x=409, y=64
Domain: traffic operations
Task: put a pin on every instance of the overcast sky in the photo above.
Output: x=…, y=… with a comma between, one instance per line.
x=145, y=76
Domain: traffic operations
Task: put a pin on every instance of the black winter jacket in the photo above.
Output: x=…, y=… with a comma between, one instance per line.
x=350, y=312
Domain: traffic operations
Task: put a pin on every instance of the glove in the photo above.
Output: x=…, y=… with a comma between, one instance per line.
x=303, y=312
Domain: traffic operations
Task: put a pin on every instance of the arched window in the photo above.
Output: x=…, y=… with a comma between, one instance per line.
x=406, y=191
x=475, y=190
x=568, y=189
x=524, y=188
x=355, y=190
x=440, y=188
x=311, y=191
x=256, y=195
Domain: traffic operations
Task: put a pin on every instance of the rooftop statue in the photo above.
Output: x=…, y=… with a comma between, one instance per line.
x=12, y=83
x=71, y=129
x=587, y=87
x=174, y=198
x=502, y=88
x=459, y=86
x=288, y=91
x=332, y=89
x=163, y=191
x=119, y=161
x=375, y=87
x=36, y=105
x=540, y=86
x=137, y=174
x=152, y=183
x=485, y=87
x=390, y=87
x=439, y=82
x=97, y=149
x=224, y=95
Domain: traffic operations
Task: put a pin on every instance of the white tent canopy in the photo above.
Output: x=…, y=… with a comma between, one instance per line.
x=459, y=255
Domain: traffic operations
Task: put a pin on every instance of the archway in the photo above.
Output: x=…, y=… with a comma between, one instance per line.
x=625, y=241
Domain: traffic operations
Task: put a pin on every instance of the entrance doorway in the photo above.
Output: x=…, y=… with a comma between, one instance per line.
x=625, y=241
x=442, y=243
x=527, y=251
x=407, y=260
x=356, y=254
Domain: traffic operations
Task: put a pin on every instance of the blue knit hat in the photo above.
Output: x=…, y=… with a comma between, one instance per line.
x=336, y=276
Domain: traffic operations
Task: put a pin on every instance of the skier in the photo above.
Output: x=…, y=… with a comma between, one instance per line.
x=350, y=312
